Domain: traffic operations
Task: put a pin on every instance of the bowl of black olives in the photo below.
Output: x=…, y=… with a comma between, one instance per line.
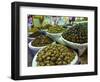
x=75, y=37
x=55, y=54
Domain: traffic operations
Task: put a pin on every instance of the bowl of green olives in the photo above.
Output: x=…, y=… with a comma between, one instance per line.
x=55, y=32
x=45, y=27
x=55, y=54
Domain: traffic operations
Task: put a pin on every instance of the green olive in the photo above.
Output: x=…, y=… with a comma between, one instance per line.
x=64, y=63
x=48, y=58
x=53, y=58
x=40, y=59
x=60, y=63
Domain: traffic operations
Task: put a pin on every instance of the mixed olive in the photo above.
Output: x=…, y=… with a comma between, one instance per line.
x=55, y=54
x=76, y=34
x=41, y=40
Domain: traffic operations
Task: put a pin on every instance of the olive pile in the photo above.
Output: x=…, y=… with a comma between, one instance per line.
x=46, y=26
x=43, y=27
x=41, y=40
x=55, y=29
x=35, y=34
x=76, y=34
x=55, y=54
